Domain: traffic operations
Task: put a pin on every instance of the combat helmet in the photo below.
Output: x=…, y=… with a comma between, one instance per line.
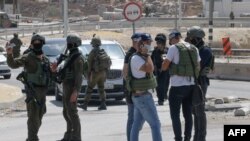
x=37, y=37
x=74, y=39
x=195, y=32
x=15, y=35
x=160, y=37
x=96, y=41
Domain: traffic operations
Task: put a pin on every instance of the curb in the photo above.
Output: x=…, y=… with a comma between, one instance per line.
x=242, y=111
x=228, y=99
x=222, y=107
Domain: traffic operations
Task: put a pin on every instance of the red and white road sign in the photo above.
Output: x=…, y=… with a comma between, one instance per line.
x=132, y=11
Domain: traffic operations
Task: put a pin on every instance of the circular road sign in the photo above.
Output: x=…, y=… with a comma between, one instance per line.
x=132, y=11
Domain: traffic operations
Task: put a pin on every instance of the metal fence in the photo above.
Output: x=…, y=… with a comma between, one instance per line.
x=80, y=26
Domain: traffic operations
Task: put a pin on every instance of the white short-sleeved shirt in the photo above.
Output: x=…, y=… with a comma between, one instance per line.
x=173, y=56
x=136, y=64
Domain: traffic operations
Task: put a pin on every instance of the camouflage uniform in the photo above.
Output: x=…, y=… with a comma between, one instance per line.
x=95, y=77
x=72, y=80
x=37, y=72
x=18, y=43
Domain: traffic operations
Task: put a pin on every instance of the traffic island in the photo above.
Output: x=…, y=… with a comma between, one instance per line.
x=10, y=97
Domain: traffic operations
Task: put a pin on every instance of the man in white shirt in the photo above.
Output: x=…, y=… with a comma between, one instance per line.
x=179, y=63
x=141, y=72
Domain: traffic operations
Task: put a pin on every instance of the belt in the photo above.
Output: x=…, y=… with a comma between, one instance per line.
x=140, y=93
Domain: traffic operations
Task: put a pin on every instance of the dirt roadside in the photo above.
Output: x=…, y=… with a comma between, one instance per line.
x=239, y=37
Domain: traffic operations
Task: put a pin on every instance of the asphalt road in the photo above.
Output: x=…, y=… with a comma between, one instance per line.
x=107, y=125
x=217, y=88
x=110, y=125
x=12, y=80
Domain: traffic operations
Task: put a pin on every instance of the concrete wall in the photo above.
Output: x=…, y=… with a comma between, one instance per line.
x=224, y=7
x=231, y=71
x=113, y=16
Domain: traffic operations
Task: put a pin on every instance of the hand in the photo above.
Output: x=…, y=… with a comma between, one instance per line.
x=73, y=97
x=9, y=50
x=53, y=67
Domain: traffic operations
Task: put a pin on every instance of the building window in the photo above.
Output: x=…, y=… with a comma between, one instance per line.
x=237, y=0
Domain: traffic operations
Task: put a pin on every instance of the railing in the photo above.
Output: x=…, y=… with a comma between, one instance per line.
x=236, y=53
x=82, y=25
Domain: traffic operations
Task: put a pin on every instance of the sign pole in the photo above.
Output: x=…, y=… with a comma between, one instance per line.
x=132, y=12
x=65, y=18
x=133, y=24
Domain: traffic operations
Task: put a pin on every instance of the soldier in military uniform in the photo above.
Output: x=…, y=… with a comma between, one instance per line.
x=36, y=77
x=195, y=36
x=18, y=43
x=72, y=80
x=95, y=77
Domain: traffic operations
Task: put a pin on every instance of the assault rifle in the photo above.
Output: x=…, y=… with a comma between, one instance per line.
x=29, y=89
x=61, y=58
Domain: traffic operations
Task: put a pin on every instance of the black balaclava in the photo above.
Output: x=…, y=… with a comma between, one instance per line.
x=37, y=48
x=72, y=47
x=198, y=42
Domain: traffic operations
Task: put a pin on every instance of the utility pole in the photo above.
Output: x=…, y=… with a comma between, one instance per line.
x=210, y=30
x=15, y=7
x=65, y=18
x=180, y=15
x=176, y=11
x=2, y=3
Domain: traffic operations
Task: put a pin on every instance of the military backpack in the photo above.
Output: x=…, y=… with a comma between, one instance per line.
x=102, y=61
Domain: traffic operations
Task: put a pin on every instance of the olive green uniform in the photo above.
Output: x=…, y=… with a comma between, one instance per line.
x=16, y=49
x=37, y=73
x=95, y=77
x=72, y=80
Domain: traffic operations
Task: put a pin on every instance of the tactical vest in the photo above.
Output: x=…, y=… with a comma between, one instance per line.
x=134, y=84
x=41, y=76
x=184, y=67
x=68, y=73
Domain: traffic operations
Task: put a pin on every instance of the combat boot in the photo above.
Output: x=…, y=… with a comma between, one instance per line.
x=102, y=106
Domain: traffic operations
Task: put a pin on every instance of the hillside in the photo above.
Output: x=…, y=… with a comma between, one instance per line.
x=90, y=7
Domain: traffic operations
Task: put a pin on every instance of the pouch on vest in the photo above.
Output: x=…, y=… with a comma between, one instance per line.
x=144, y=83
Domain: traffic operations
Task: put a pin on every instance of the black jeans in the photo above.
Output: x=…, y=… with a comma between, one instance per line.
x=163, y=84
x=200, y=119
x=181, y=96
x=200, y=123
